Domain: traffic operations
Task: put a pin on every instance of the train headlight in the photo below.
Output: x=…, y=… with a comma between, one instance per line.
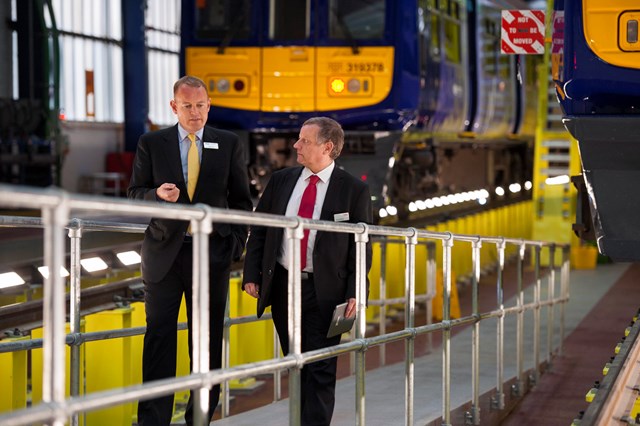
x=223, y=85
x=353, y=85
x=337, y=85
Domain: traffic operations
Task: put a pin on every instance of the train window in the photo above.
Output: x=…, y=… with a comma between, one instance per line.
x=429, y=31
x=223, y=19
x=455, y=11
x=452, y=41
x=289, y=20
x=356, y=19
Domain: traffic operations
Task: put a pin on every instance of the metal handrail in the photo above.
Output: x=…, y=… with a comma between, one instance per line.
x=56, y=206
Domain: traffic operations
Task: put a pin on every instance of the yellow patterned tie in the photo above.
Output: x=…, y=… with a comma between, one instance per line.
x=193, y=166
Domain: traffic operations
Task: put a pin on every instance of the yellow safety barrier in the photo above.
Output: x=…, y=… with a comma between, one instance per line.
x=395, y=268
x=251, y=342
x=36, y=366
x=13, y=375
x=454, y=303
x=584, y=257
x=374, y=282
x=138, y=319
x=635, y=410
x=114, y=353
x=395, y=274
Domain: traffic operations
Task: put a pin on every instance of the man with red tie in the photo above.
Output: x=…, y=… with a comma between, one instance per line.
x=318, y=190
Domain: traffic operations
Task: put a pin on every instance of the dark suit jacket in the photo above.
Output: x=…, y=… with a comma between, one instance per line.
x=334, y=254
x=222, y=183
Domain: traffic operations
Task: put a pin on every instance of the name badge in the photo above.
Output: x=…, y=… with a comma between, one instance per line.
x=341, y=217
x=210, y=145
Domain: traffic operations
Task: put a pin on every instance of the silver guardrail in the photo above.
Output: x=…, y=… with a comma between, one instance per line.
x=56, y=207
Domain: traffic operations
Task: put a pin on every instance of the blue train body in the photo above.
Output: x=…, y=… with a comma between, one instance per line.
x=598, y=85
x=450, y=87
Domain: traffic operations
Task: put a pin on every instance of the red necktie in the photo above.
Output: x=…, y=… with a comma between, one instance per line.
x=306, y=210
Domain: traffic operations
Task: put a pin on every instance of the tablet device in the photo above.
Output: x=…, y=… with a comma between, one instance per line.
x=340, y=324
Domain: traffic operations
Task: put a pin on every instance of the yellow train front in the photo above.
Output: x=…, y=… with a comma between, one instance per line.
x=410, y=81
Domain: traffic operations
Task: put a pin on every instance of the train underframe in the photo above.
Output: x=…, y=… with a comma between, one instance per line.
x=403, y=167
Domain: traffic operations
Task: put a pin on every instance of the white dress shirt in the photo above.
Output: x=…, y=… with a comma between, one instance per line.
x=294, y=205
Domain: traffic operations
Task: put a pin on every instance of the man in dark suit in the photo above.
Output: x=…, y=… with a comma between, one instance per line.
x=188, y=163
x=327, y=258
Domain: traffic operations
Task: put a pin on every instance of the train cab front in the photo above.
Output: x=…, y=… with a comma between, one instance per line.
x=596, y=67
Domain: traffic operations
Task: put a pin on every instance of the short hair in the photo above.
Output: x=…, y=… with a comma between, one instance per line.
x=190, y=81
x=330, y=130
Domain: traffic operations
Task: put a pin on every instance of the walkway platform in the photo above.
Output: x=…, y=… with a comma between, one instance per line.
x=602, y=303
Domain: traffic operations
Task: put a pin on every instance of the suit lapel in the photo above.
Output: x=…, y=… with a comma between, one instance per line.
x=333, y=195
x=172, y=151
x=287, y=189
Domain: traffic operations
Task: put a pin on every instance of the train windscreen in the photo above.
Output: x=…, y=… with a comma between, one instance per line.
x=220, y=19
x=356, y=19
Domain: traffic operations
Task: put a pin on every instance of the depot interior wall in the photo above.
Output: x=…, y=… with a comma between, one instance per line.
x=87, y=149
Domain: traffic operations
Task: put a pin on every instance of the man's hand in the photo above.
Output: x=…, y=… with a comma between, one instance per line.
x=350, y=312
x=168, y=192
x=253, y=289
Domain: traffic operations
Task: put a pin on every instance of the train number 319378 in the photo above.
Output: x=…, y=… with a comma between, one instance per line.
x=365, y=67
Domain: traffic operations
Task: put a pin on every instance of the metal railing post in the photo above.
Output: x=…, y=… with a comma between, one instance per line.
x=498, y=402
x=536, y=316
x=382, y=318
x=226, y=349
x=447, y=245
x=551, y=290
x=564, y=292
x=432, y=274
x=75, y=239
x=277, y=375
x=55, y=218
x=200, y=315
x=409, y=321
x=293, y=237
x=520, y=322
x=361, y=321
x=475, y=334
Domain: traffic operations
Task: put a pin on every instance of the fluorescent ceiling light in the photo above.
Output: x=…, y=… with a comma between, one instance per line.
x=44, y=271
x=93, y=264
x=10, y=279
x=129, y=257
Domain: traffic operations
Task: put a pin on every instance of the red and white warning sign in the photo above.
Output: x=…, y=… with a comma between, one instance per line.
x=522, y=31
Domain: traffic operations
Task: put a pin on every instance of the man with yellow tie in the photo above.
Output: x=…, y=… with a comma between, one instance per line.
x=188, y=163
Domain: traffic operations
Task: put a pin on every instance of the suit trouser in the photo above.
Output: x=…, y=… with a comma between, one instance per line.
x=162, y=304
x=318, y=379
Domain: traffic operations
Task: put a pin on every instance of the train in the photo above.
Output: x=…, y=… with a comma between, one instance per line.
x=432, y=111
x=596, y=70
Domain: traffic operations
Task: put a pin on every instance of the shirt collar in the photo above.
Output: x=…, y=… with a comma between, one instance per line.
x=323, y=174
x=183, y=133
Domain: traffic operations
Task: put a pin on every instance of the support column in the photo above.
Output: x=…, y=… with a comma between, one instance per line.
x=6, y=51
x=136, y=101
